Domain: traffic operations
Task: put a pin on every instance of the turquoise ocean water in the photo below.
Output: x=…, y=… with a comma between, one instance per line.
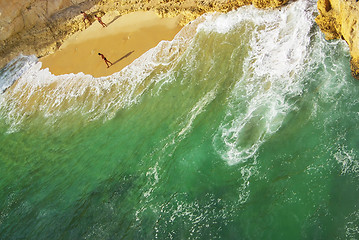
x=245, y=126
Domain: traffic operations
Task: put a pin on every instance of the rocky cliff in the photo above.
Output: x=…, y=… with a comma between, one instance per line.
x=339, y=19
x=37, y=26
x=40, y=26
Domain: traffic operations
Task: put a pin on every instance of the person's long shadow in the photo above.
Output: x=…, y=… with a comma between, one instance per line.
x=114, y=19
x=125, y=56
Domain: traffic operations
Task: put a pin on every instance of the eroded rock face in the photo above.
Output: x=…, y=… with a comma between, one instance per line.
x=339, y=19
x=37, y=26
x=19, y=15
x=269, y=3
x=40, y=26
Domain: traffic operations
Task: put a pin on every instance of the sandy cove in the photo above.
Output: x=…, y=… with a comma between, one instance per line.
x=34, y=27
x=40, y=27
x=123, y=40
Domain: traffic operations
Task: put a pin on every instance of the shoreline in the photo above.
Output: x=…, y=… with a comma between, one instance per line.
x=40, y=29
x=125, y=39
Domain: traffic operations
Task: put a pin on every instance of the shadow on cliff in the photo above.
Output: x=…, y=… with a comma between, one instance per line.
x=74, y=10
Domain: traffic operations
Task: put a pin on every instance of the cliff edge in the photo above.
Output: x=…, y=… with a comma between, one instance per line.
x=339, y=19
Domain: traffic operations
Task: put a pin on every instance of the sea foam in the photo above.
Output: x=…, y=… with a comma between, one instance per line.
x=37, y=90
x=271, y=80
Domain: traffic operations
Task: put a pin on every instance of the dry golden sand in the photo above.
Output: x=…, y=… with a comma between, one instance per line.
x=123, y=40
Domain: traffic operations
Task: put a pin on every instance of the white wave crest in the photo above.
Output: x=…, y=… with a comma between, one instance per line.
x=265, y=93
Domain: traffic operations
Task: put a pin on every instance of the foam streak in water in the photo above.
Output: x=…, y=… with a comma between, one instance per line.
x=264, y=95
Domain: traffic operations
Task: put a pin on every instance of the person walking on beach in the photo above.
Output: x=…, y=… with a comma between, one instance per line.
x=86, y=17
x=105, y=59
x=100, y=21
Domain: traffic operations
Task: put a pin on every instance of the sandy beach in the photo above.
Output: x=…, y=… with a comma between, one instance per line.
x=123, y=40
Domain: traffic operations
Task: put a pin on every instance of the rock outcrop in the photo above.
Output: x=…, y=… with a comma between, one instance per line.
x=340, y=19
x=37, y=26
x=40, y=26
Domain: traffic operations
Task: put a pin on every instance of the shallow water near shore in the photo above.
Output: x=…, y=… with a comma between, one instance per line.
x=243, y=127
